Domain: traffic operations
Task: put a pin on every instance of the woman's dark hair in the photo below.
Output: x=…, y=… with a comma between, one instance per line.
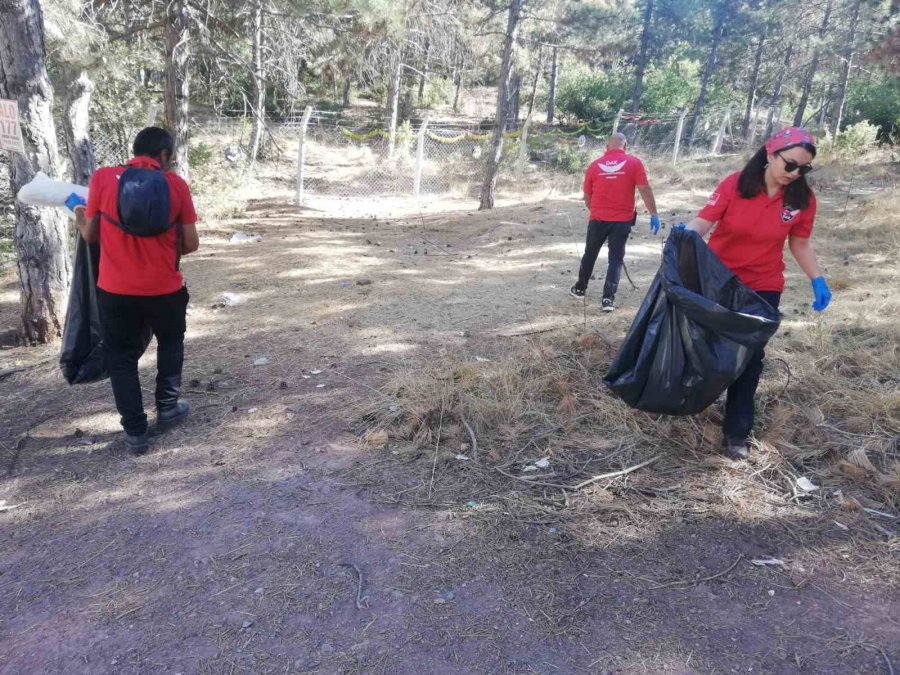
x=752, y=180
x=150, y=142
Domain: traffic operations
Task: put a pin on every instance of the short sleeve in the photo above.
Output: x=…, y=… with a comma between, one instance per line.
x=640, y=173
x=718, y=201
x=186, y=215
x=804, y=225
x=93, y=202
x=589, y=179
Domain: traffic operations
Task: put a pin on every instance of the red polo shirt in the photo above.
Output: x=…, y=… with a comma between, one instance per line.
x=132, y=265
x=610, y=181
x=750, y=234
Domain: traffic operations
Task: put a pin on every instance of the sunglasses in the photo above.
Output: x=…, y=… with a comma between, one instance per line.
x=791, y=166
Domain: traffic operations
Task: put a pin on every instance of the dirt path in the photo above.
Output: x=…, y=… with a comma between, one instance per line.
x=237, y=544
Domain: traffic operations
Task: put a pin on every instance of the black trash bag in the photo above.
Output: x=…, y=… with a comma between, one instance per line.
x=82, y=358
x=694, y=334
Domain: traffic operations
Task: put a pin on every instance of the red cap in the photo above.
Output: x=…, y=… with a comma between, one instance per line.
x=787, y=137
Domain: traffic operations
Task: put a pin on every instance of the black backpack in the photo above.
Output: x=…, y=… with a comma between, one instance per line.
x=143, y=205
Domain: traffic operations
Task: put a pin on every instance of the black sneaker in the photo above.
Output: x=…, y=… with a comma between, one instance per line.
x=136, y=443
x=736, y=449
x=607, y=305
x=576, y=292
x=169, y=417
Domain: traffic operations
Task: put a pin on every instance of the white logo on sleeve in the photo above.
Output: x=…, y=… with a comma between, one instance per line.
x=612, y=167
x=713, y=199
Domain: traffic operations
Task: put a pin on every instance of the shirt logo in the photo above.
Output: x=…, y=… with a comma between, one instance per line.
x=788, y=214
x=609, y=167
x=713, y=199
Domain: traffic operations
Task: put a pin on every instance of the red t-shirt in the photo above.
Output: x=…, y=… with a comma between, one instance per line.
x=132, y=265
x=750, y=234
x=610, y=181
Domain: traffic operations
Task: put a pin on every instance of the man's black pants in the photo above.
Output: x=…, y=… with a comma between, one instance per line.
x=615, y=234
x=123, y=318
x=739, y=405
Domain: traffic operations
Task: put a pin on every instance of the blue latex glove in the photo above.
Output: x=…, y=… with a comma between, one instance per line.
x=680, y=226
x=822, y=293
x=74, y=200
x=654, y=224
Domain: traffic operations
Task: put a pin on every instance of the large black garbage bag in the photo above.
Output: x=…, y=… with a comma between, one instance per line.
x=82, y=359
x=693, y=335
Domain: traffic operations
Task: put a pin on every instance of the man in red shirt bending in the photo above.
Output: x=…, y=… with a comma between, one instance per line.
x=144, y=218
x=609, y=185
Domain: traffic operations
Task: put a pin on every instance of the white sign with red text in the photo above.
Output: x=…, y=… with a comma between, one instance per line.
x=10, y=129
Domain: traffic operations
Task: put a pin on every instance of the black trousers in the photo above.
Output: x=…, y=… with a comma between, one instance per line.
x=739, y=404
x=615, y=234
x=122, y=318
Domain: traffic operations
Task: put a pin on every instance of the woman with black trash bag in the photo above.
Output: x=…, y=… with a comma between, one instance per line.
x=756, y=211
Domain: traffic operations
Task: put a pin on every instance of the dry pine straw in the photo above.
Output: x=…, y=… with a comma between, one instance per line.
x=547, y=401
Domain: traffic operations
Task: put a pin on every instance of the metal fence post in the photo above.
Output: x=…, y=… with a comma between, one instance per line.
x=717, y=143
x=301, y=153
x=678, y=132
x=618, y=118
x=420, y=159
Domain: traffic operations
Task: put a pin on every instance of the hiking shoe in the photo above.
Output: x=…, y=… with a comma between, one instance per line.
x=136, y=443
x=576, y=292
x=607, y=305
x=736, y=449
x=169, y=417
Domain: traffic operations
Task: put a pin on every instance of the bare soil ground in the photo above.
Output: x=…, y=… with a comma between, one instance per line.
x=279, y=532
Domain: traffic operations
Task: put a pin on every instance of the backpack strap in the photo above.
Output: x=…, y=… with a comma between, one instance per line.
x=179, y=239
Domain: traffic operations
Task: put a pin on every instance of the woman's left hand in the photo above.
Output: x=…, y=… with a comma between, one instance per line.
x=822, y=294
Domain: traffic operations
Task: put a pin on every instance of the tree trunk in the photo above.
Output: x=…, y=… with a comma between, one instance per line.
x=177, y=89
x=394, y=103
x=459, y=79
x=754, y=83
x=776, y=94
x=493, y=160
x=348, y=84
x=259, y=81
x=551, y=98
x=40, y=235
x=846, y=66
x=420, y=99
x=515, y=100
x=78, y=129
x=811, y=72
x=523, y=141
x=719, y=28
x=641, y=60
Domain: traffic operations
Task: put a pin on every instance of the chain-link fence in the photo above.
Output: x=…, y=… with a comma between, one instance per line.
x=328, y=155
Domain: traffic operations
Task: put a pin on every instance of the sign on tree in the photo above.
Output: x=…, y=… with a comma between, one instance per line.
x=10, y=129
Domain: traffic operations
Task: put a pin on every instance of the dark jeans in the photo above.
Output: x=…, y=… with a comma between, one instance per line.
x=739, y=408
x=123, y=318
x=615, y=234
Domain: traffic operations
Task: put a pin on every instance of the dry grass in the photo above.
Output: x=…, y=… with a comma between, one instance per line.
x=829, y=410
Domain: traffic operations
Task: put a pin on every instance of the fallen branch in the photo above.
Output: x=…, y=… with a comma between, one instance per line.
x=589, y=481
x=681, y=583
x=362, y=601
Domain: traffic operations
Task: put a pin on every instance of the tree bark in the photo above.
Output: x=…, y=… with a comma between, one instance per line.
x=554, y=78
x=493, y=160
x=515, y=100
x=776, y=94
x=754, y=83
x=394, y=103
x=40, y=235
x=641, y=60
x=813, y=68
x=259, y=80
x=718, y=29
x=420, y=99
x=78, y=129
x=523, y=141
x=177, y=90
x=348, y=84
x=846, y=66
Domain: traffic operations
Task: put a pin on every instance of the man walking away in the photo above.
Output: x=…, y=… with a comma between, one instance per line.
x=609, y=184
x=143, y=216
